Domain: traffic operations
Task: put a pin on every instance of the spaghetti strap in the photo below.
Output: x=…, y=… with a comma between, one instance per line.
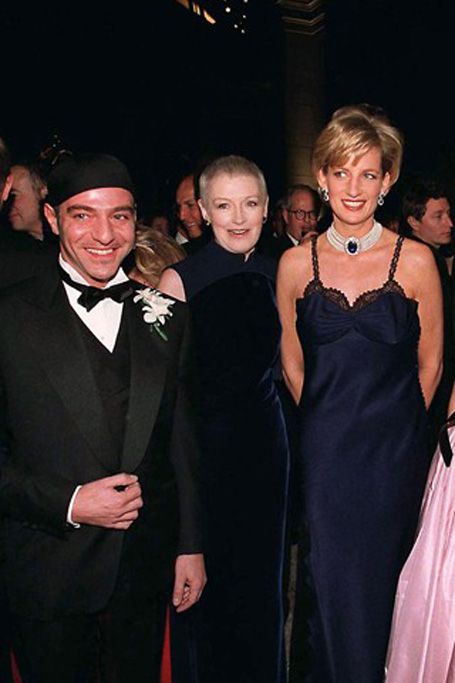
x=314, y=259
x=395, y=257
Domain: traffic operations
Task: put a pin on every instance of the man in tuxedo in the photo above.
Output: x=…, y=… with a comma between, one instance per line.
x=98, y=488
x=301, y=209
x=427, y=215
x=27, y=190
x=191, y=234
x=20, y=254
x=5, y=637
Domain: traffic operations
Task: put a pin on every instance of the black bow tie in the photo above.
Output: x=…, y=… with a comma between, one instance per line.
x=90, y=296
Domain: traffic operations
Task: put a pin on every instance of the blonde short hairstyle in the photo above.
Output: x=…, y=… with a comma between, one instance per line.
x=231, y=165
x=354, y=130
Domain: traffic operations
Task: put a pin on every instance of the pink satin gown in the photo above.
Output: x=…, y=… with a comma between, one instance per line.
x=422, y=640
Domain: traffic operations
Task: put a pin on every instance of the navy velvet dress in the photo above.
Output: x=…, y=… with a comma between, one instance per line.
x=238, y=624
x=365, y=456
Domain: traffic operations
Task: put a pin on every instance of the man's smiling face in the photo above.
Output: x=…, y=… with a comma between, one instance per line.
x=96, y=230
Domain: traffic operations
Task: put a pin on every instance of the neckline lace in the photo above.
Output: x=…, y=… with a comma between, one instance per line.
x=390, y=286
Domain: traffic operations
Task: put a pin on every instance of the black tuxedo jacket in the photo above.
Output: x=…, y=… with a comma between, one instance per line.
x=18, y=265
x=438, y=409
x=57, y=436
x=284, y=243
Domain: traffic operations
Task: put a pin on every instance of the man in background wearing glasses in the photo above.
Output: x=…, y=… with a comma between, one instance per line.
x=301, y=210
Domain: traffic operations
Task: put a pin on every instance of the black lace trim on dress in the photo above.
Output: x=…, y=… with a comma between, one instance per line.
x=395, y=257
x=314, y=258
x=390, y=286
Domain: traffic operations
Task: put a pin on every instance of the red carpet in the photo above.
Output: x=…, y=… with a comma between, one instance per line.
x=17, y=678
x=166, y=663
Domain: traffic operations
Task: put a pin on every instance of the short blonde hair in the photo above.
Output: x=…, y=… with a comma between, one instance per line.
x=231, y=165
x=354, y=130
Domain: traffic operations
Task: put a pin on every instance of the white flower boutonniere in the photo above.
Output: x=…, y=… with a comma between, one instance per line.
x=156, y=308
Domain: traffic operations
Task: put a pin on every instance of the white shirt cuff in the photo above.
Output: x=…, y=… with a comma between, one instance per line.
x=69, y=519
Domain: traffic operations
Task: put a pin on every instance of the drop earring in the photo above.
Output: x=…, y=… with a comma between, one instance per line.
x=324, y=194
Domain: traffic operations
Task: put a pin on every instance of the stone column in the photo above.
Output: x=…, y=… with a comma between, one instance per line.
x=304, y=89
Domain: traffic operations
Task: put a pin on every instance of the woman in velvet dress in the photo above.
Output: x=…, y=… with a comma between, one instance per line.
x=238, y=630
x=362, y=327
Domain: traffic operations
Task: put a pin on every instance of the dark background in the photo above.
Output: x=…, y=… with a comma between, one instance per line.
x=159, y=87
x=164, y=90
x=399, y=55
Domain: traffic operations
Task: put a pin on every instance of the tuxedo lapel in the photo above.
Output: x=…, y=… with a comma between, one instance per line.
x=148, y=359
x=55, y=333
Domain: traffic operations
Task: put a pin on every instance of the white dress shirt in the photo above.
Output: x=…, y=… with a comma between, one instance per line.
x=181, y=239
x=103, y=321
x=293, y=239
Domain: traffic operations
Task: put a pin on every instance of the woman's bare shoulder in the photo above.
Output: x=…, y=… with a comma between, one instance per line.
x=296, y=258
x=295, y=269
x=417, y=271
x=416, y=253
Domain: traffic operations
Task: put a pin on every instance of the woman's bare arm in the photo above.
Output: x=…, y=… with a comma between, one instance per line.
x=426, y=284
x=289, y=283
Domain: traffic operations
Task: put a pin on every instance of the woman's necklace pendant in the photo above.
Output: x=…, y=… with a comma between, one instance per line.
x=352, y=246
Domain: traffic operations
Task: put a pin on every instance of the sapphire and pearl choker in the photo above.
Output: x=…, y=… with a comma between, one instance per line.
x=354, y=245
